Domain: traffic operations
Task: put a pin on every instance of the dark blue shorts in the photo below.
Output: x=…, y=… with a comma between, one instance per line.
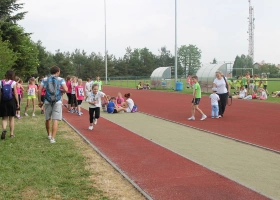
x=196, y=101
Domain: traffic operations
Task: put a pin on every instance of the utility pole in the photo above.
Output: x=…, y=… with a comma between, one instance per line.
x=176, y=56
x=106, y=70
x=251, y=29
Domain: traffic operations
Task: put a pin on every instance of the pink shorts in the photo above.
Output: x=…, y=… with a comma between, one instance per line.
x=262, y=98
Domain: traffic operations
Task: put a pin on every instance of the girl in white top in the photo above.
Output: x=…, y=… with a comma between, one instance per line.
x=263, y=95
x=223, y=91
x=88, y=87
x=94, y=100
x=242, y=93
x=127, y=105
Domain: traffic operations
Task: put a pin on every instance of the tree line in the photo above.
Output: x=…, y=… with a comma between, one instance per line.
x=27, y=58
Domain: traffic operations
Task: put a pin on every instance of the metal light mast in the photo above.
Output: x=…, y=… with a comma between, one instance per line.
x=251, y=29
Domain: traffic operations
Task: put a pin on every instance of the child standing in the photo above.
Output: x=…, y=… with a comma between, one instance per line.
x=31, y=96
x=214, y=103
x=80, y=94
x=94, y=100
x=19, y=91
x=196, y=99
x=74, y=104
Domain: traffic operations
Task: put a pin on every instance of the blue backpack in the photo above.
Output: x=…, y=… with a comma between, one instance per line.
x=53, y=93
x=110, y=107
x=7, y=91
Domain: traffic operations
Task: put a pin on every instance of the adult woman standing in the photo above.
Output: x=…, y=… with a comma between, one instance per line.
x=223, y=90
x=9, y=102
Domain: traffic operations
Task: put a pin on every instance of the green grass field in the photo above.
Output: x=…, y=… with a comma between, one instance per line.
x=273, y=85
x=32, y=168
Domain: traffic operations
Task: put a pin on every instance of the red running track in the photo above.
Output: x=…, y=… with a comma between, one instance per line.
x=247, y=120
x=159, y=172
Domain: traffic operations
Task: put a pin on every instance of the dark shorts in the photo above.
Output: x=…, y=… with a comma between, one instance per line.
x=196, y=101
x=79, y=102
x=43, y=98
x=246, y=86
x=265, y=87
x=115, y=111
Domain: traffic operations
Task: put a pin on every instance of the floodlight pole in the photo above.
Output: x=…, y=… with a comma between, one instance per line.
x=105, y=43
x=175, y=42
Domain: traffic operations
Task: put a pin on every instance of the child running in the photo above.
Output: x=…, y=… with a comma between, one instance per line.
x=196, y=99
x=215, y=103
x=31, y=96
x=80, y=94
x=94, y=100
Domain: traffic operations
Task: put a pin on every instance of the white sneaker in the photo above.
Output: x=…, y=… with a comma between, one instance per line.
x=191, y=118
x=203, y=117
x=52, y=141
x=95, y=121
x=90, y=128
x=49, y=137
x=26, y=114
x=80, y=114
x=33, y=115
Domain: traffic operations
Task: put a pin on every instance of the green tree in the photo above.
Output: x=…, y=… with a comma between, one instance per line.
x=190, y=57
x=214, y=61
x=241, y=63
x=7, y=58
x=8, y=7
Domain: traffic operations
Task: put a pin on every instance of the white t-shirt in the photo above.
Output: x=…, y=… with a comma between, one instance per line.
x=220, y=85
x=12, y=85
x=214, y=99
x=264, y=95
x=74, y=85
x=242, y=93
x=88, y=86
x=130, y=103
x=95, y=97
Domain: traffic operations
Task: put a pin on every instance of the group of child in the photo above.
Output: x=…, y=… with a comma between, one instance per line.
x=144, y=86
x=93, y=95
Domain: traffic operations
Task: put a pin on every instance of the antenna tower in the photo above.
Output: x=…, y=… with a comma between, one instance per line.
x=251, y=29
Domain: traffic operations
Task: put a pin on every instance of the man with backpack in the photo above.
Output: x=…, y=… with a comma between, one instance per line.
x=55, y=86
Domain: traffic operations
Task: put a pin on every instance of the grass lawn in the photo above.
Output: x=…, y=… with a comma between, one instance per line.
x=32, y=168
x=273, y=85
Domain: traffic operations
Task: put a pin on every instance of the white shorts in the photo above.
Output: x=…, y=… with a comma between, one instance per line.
x=53, y=112
x=252, y=85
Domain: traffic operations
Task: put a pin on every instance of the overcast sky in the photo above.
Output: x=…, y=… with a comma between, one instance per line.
x=218, y=27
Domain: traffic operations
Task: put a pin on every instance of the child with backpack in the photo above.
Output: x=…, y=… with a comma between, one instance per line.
x=94, y=100
x=8, y=103
x=31, y=96
x=80, y=94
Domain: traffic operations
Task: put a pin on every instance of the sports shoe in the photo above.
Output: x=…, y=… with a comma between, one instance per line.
x=26, y=114
x=52, y=141
x=219, y=116
x=90, y=128
x=80, y=114
x=212, y=117
x=191, y=118
x=33, y=115
x=95, y=121
x=50, y=136
x=3, y=136
x=203, y=117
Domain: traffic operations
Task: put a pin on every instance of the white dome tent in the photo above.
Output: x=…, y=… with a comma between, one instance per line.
x=161, y=77
x=207, y=73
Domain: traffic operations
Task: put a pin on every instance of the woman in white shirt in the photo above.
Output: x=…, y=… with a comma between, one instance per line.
x=223, y=89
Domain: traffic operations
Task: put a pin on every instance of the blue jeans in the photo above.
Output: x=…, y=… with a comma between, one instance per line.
x=215, y=110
